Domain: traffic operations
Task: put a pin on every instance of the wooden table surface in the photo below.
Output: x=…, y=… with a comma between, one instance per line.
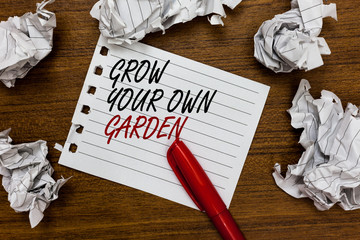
x=41, y=106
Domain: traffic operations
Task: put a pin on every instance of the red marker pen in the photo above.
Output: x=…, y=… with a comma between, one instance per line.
x=201, y=190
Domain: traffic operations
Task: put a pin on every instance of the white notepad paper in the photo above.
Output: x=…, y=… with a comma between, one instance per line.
x=137, y=98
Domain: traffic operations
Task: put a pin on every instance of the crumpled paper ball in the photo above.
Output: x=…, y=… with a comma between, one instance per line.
x=328, y=171
x=129, y=21
x=290, y=40
x=25, y=41
x=27, y=177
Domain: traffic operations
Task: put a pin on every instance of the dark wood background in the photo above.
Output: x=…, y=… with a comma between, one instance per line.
x=42, y=104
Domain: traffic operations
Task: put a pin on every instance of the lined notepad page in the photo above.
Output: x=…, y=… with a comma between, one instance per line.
x=219, y=139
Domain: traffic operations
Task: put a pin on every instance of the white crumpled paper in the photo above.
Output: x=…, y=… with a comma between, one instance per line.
x=129, y=21
x=24, y=42
x=290, y=40
x=328, y=172
x=27, y=177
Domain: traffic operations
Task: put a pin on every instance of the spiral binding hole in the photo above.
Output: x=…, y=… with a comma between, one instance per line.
x=73, y=148
x=85, y=109
x=79, y=129
x=91, y=90
x=98, y=70
x=104, y=51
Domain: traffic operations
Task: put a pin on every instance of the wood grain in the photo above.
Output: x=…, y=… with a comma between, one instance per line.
x=42, y=104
